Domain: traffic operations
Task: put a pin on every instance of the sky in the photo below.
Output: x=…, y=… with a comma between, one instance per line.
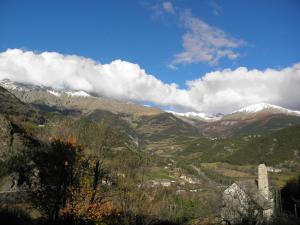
x=207, y=56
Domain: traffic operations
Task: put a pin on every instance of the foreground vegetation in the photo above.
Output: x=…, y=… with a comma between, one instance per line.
x=66, y=184
x=103, y=179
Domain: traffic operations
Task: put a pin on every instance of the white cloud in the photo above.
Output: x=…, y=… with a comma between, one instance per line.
x=220, y=91
x=118, y=79
x=203, y=43
x=168, y=7
x=161, y=11
x=228, y=90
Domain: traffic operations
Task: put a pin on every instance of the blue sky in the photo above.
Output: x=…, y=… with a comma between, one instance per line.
x=130, y=30
x=256, y=34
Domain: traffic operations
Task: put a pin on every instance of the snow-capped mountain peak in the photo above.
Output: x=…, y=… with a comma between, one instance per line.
x=252, y=109
x=10, y=85
x=195, y=115
x=266, y=107
x=258, y=107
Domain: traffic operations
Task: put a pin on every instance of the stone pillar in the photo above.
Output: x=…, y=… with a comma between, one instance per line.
x=263, y=183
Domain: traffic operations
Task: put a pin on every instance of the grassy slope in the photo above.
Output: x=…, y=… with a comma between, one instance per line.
x=275, y=122
x=271, y=148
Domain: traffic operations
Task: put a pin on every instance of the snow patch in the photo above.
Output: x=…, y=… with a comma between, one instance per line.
x=7, y=84
x=201, y=116
x=78, y=93
x=55, y=93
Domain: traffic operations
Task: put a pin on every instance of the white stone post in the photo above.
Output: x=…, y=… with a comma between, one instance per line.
x=263, y=183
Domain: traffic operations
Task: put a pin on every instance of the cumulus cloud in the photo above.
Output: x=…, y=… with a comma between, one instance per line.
x=118, y=79
x=220, y=91
x=228, y=90
x=203, y=43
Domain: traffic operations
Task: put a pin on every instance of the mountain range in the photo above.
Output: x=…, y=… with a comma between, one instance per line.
x=30, y=112
x=152, y=121
x=60, y=100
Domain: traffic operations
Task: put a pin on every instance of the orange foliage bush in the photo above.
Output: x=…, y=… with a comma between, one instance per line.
x=79, y=205
x=68, y=141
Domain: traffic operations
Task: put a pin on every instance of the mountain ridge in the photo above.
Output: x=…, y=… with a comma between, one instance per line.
x=255, y=108
x=257, y=118
x=75, y=100
x=164, y=135
x=16, y=88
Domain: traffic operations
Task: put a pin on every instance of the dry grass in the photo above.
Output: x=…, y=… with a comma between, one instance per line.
x=233, y=173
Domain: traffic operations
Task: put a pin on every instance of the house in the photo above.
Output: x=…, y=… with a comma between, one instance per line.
x=249, y=198
x=188, y=179
x=274, y=170
x=162, y=182
x=165, y=183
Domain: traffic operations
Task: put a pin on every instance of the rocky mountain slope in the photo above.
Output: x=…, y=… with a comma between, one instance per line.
x=66, y=100
x=14, y=139
x=145, y=126
x=148, y=121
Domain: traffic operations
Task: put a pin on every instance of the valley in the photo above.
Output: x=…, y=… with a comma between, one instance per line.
x=186, y=161
x=149, y=112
